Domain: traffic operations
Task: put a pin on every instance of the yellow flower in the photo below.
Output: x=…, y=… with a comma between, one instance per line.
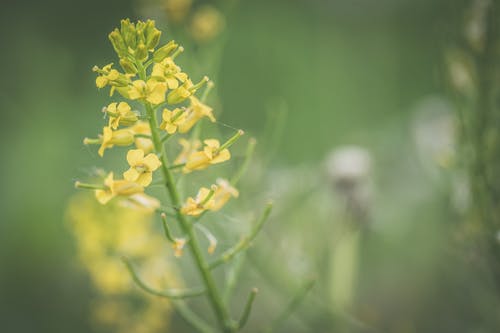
x=178, y=245
x=195, y=206
x=223, y=193
x=207, y=22
x=168, y=71
x=188, y=147
x=142, y=127
x=141, y=167
x=211, y=154
x=120, y=114
x=171, y=120
x=109, y=76
x=181, y=93
x=109, y=138
x=151, y=91
x=114, y=188
x=195, y=112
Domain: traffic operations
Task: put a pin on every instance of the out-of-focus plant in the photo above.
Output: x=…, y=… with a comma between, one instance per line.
x=103, y=233
x=154, y=84
x=474, y=78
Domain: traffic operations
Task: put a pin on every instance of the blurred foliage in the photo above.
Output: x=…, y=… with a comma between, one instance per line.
x=346, y=72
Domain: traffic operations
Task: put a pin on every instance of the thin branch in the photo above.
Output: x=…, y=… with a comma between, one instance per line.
x=245, y=242
x=248, y=156
x=292, y=306
x=171, y=293
x=248, y=308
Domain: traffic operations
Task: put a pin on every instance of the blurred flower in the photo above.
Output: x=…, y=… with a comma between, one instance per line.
x=177, y=10
x=349, y=169
x=103, y=233
x=178, y=246
x=188, y=147
x=203, y=201
x=115, y=188
x=223, y=193
x=207, y=22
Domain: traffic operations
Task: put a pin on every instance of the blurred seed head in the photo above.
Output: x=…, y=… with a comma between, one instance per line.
x=349, y=169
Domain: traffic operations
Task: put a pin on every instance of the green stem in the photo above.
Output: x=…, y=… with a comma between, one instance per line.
x=171, y=294
x=212, y=292
x=248, y=308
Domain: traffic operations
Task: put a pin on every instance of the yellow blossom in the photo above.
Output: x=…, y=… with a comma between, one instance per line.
x=109, y=138
x=195, y=206
x=223, y=193
x=188, y=147
x=206, y=23
x=195, y=112
x=120, y=114
x=178, y=246
x=171, y=120
x=114, y=188
x=169, y=72
x=151, y=91
x=112, y=77
x=142, y=127
x=211, y=154
x=141, y=167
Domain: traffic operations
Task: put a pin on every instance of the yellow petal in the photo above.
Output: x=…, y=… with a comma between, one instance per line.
x=223, y=155
x=103, y=196
x=152, y=162
x=135, y=156
x=131, y=174
x=145, y=179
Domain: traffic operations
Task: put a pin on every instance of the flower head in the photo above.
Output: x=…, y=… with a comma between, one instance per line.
x=169, y=72
x=195, y=112
x=114, y=188
x=223, y=193
x=120, y=114
x=188, y=147
x=195, y=206
x=171, y=120
x=141, y=167
x=110, y=76
x=211, y=154
x=152, y=91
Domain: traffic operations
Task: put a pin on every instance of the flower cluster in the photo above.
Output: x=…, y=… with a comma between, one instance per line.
x=158, y=100
x=151, y=80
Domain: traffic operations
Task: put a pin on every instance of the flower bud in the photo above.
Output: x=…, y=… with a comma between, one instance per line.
x=141, y=53
x=118, y=43
x=129, y=34
x=165, y=51
x=128, y=66
x=123, y=137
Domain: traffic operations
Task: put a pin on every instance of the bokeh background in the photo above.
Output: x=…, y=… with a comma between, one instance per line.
x=305, y=78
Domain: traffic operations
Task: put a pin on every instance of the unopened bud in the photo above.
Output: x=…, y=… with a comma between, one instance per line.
x=118, y=43
x=141, y=52
x=165, y=51
x=128, y=66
